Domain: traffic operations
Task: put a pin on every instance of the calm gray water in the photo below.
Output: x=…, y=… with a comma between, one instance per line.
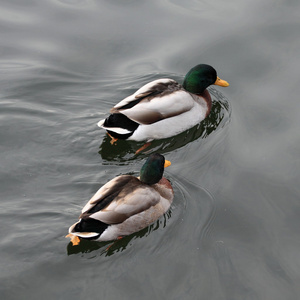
x=233, y=229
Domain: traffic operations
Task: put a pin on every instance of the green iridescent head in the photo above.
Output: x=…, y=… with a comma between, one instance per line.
x=201, y=77
x=153, y=169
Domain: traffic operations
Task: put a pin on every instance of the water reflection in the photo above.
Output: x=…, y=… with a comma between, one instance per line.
x=124, y=151
x=110, y=247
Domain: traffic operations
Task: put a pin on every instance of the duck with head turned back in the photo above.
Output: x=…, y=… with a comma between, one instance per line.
x=163, y=107
x=126, y=204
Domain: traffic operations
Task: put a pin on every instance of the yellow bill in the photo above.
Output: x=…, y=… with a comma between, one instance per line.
x=167, y=163
x=221, y=82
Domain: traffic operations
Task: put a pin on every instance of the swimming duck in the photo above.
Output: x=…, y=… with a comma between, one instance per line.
x=163, y=107
x=125, y=204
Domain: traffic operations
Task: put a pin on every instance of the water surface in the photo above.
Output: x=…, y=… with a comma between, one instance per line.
x=233, y=229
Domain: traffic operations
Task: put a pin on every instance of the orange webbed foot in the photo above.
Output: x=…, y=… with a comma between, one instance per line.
x=113, y=140
x=117, y=239
x=143, y=148
x=75, y=240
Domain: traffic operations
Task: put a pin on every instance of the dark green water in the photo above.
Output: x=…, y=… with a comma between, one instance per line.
x=233, y=229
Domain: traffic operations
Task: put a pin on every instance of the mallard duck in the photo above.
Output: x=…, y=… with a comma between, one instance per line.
x=125, y=204
x=163, y=107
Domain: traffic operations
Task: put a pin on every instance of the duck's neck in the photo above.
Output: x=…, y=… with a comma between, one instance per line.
x=166, y=183
x=205, y=95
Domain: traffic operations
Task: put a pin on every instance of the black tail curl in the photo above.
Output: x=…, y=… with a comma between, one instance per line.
x=120, y=120
x=90, y=225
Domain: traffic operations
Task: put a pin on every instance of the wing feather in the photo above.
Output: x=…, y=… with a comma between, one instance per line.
x=127, y=204
x=156, y=86
x=148, y=112
x=119, y=199
x=107, y=189
x=155, y=101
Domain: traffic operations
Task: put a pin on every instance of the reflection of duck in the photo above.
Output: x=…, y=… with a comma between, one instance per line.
x=126, y=204
x=163, y=107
